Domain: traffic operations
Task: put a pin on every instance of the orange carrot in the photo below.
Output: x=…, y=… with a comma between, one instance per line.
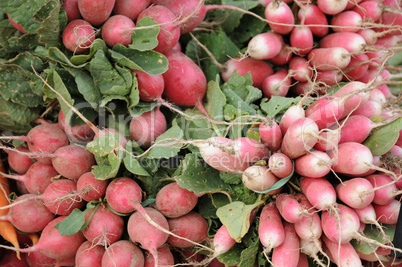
x=7, y=230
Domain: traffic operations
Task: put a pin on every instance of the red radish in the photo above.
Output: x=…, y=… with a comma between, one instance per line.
x=347, y=21
x=300, y=69
x=16, y=25
x=123, y=140
x=291, y=115
x=343, y=254
x=377, y=96
x=369, y=109
x=356, y=96
x=73, y=155
x=145, y=128
x=369, y=10
x=222, y=241
x=277, y=84
x=270, y=229
x=165, y=257
x=301, y=39
x=270, y=134
x=130, y=8
x=393, y=19
x=117, y=30
x=389, y=213
x=90, y=187
x=246, y=149
x=54, y=245
x=355, y=128
x=258, y=178
x=29, y=216
x=357, y=67
x=329, y=77
x=315, y=164
x=326, y=111
x=283, y=57
x=280, y=17
x=352, y=4
x=104, y=228
x=356, y=193
x=265, y=45
x=287, y=254
x=37, y=178
x=300, y=138
x=385, y=188
x=168, y=34
x=328, y=140
x=190, y=13
x=78, y=133
x=352, y=42
x=311, y=249
x=351, y=158
x=123, y=253
x=370, y=76
x=150, y=86
x=369, y=35
x=173, y=201
x=331, y=58
x=192, y=226
x=122, y=194
x=38, y=259
x=290, y=209
x=331, y=7
x=319, y=192
x=71, y=9
x=185, y=83
x=367, y=215
x=312, y=15
x=96, y=12
x=258, y=69
x=280, y=165
x=19, y=162
x=78, y=36
x=89, y=255
x=385, y=90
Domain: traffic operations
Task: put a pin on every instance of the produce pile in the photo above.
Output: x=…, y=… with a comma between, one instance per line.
x=200, y=133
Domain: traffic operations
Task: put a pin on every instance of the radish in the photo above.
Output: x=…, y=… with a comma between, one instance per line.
x=356, y=193
x=284, y=56
x=315, y=164
x=331, y=58
x=290, y=209
x=277, y=84
x=300, y=69
x=144, y=129
x=312, y=249
x=291, y=115
x=168, y=35
x=369, y=109
x=78, y=133
x=54, y=245
x=96, y=12
x=30, y=216
x=78, y=36
x=104, y=227
x=73, y=155
x=326, y=111
x=165, y=257
x=123, y=253
x=122, y=194
x=367, y=215
x=369, y=35
x=312, y=15
x=352, y=42
x=91, y=188
x=265, y=45
x=150, y=86
x=287, y=254
x=18, y=162
x=258, y=69
x=328, y=140
x=329, y=77
x=385, y=188
x=369, y=10
x=192, y=226
x=71, y=9
x=351, y=158
x=270, y=134
x=173, y=201
x=377, y=96
x=356, y=68
x=331, y=7
x=355, y=128
x=356, y=96
x=270, y=228
x=38, y=177
x=319, y=192
x=258, y=178
x=343, y=254
x=280, y=17
x=38, y=259
x=130, y=8
x=89, y=255
x=389, y=213
x=247, y=149
x=302, y=40
x=280, y=165
x=300, y=138
x=347, y=21
x=117, y=30
x=222, y=241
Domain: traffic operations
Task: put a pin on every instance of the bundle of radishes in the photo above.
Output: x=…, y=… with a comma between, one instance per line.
x=216, y=133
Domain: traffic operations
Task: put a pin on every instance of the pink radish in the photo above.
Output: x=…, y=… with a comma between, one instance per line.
x=287, y=254
x=118, y=30
x=270, y=134
x=356, y=192
x=150, y=86
x=123, y=253
x=71, y=9
x=248, y=149
x=369, y=109
x=300, y=138
x=78, y=133
x=78, y=36
x=351, y=158
x=343, y=254
x=329, y=77
x=326, y=111
x=91, y=188
x=355, y=128
x=367, y=215
x=300, y=69
x=258, y=69
x=89, y=255
x=315, y=164
x=356, y=96
x=347, y=21
x=265, y=45
x=377, y=96
x=122, y=194
x=222, y=241
x=283, y=57
x=369, y=10
x=350, y=41
x=38, y=259
x=331, y=58
x=356, y=68
x=385, y=188
x=270, y=229
x=369, y=35
x=331, y=7
x=291, y=115
x=258, y=178
x=328, y=140
x=280, y=165
x=130, y=8
x=389, y=213
x=96, y=12
x=302, y=40
x=144, y=129
x=290, y=209
x=18, y=162
x=280, y=17
x=312, y=15
x=319, y=192
x=312, y=248
x=173, y=201
x=165, y=257
x=277, y=84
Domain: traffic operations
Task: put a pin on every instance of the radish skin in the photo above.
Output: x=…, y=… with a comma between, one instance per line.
x=277, y=13
x=270, y=134
x=343, y=254
x=287, y=254
x=265, y=45
x=270, y=229
x=315, y=164
x=330, y=58
x=280, y=165
x=289, y=208
x=356, y=192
